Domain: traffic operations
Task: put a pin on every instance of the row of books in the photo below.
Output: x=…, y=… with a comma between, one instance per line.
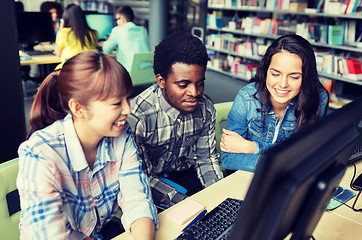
x=254, y=25
x=240, y=46
x=331, y=64
x=338, y=34
x=287, y=5
x=340, y=6
x=233, y=65
x=326, y=6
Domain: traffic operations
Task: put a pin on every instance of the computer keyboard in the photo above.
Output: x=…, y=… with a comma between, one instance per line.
x=38, y=52
x=216, y=224
x=356, y=154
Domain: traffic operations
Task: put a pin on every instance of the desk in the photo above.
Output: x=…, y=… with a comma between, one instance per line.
x=41, y=59
x=341, y=223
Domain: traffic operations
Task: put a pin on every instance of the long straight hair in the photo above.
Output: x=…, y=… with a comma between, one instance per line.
x=308, y=108
x=86, y=76
x=74, y=19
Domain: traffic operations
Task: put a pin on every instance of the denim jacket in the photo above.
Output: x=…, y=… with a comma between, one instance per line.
x=244, y=119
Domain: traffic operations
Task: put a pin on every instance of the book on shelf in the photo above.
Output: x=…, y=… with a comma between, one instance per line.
x=298, y=5
x=320, y=6
x=352, y=6
x=345, y=6
x=333, y=6
x=286, y=28
x=354, y=69
x=350, y=28
x=230, y=3
x=359, y=8
x=285, y=5
x=243, y=69
x=273, y=26
x=262, y=3
x=319, y=57
x=266, y=25
x=270, y=4
x=214, y=19
x=335, y=34
x=216, y=3
x=247, y=24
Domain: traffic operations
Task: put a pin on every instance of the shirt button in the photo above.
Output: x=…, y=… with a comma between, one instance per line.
x=292, y=125
x=258, y=131
x=102, y=216
x=270, y=134
x=273, y=116
x=97, y=197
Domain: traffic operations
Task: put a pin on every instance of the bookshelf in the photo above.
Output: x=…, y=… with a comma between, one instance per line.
x=238, y=32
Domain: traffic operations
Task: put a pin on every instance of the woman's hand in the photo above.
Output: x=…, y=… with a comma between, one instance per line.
x=232, y=142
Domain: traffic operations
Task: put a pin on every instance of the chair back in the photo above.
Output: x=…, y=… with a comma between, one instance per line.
x=222, y=111
x=142, y=69
x=9, y=200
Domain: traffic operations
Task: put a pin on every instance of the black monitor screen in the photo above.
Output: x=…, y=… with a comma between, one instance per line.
x=103, y=23
x=295, y=180
x=34, y=27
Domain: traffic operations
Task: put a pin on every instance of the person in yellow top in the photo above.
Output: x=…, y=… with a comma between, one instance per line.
x=74, y=35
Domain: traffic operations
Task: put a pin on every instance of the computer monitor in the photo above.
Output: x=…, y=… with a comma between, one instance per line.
x=295, y=180
x=101, y=22
x=33, y=28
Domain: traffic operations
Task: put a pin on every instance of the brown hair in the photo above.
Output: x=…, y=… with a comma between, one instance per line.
x=86, y=76
x=126, y=12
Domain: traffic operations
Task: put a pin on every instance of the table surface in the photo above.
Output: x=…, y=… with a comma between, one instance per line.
x=341, y=223
x=41, y=59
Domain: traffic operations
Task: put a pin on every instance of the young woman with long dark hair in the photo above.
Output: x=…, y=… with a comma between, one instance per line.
x=74, y=35
x=285, y=96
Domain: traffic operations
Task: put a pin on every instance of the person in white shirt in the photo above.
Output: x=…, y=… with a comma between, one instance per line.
x=127, y=37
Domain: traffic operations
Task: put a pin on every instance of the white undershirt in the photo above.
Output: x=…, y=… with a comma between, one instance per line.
x=276, y=132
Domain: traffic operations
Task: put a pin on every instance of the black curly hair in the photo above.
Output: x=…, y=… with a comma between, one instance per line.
x=180, y=47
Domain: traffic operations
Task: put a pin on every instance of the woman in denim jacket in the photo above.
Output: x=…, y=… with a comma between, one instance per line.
x=285, y=96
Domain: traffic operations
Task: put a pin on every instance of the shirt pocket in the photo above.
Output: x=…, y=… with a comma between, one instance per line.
x=256, y=130
x=155, y=152
x=288, y=128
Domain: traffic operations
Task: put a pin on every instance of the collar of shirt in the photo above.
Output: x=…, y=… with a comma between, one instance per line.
x=128, y=25
x=172, y=112
x=75, y=150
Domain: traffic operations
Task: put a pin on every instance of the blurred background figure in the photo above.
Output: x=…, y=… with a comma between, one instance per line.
x=127, y=37
x=55, y=9
x=75, y=35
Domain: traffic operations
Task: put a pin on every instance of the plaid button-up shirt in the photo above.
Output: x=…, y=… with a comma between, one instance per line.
x=62, y=198
x=169, y=140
